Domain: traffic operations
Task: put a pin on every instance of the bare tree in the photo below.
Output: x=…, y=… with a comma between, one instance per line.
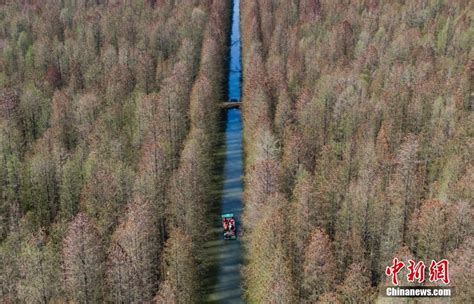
x=318, y=267
x=83, y=258
x=133, y=262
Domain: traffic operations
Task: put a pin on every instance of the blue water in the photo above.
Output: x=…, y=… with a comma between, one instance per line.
x=235, y=68
x=228, y=254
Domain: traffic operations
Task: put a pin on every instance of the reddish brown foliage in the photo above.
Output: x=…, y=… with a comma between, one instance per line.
x=9, y=102
x=83, y=258
x=53, y=76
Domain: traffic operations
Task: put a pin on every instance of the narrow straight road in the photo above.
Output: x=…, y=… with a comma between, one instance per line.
x=228, y=254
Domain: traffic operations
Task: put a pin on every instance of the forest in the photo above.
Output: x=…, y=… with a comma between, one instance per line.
x=358, y=131
x=108, y=116
x=357, y=137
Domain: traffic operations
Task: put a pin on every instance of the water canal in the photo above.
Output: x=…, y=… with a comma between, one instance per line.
x=228, y=255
